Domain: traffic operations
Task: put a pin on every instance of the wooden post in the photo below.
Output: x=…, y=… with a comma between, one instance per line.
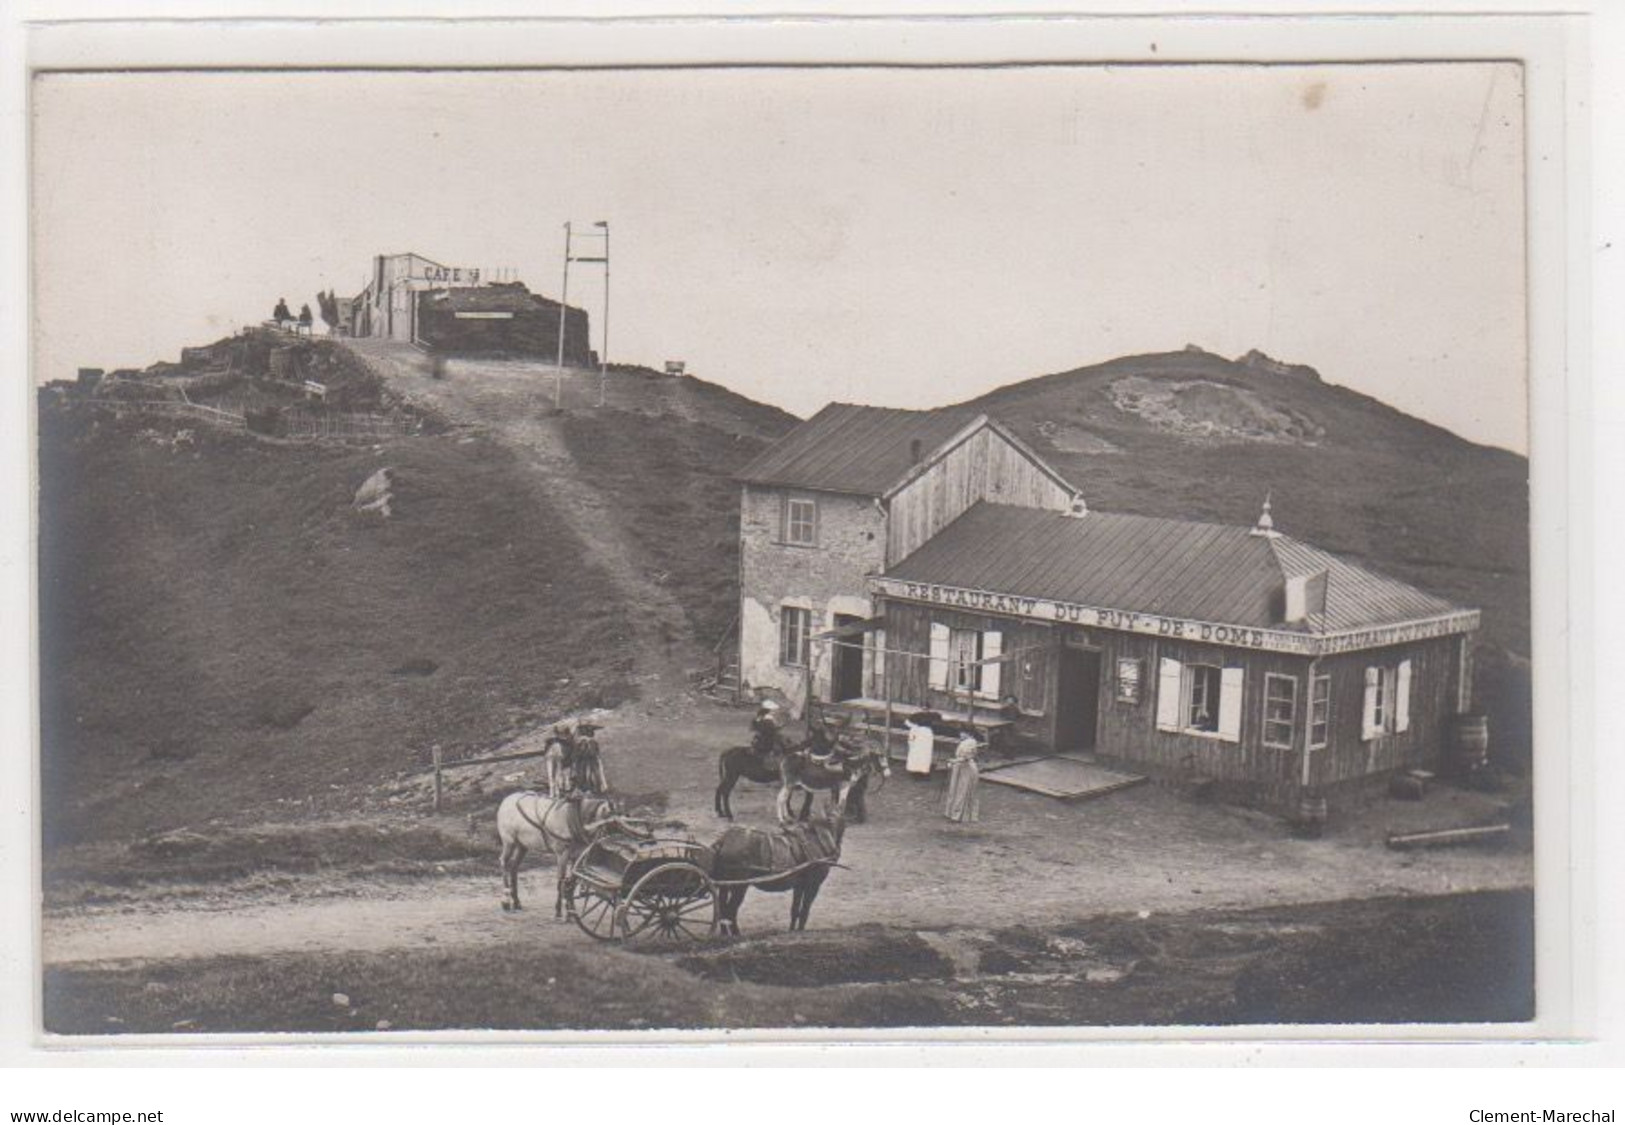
x=435, y=750
x=885, y=689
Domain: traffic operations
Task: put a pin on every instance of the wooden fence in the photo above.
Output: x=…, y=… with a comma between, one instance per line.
x=440, y=764
x=194, y=411
x=318, y=425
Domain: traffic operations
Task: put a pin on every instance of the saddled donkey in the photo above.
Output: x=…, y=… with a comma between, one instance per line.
x=744, y=762
x=839, y=777
x=528, y=820
x=751, y=853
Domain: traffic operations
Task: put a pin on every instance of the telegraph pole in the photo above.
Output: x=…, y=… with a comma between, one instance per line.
x=602, y=232
x=603, y=357
x=564, y=304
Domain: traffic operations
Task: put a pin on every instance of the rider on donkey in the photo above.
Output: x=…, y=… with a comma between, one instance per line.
x=832, y=747
x=766, y=738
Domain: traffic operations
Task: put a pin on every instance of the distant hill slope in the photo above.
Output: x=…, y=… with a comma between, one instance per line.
x=1193, y=435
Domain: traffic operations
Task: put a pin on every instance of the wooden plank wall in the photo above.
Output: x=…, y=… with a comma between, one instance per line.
x=984, y=467
x=1127, y=733
x=1433, y=699
x=1026, y=675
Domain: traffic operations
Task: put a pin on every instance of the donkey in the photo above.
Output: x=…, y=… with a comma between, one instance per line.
x=529, y=820
x=738, y=762
x=805, y=774
x=750, y=853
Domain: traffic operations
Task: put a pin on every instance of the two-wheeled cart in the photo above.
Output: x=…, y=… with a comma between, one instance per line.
x=650, y=891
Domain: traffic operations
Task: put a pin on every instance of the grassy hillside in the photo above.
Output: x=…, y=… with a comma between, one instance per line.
x=220, y=629
x=223, y=635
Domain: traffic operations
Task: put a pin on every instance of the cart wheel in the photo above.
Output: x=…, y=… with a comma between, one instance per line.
x=675, y=902
x=592, y=910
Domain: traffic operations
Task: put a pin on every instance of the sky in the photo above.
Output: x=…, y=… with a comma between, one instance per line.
x=898, y=237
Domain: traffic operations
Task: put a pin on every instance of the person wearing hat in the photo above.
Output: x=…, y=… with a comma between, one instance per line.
x=587, y=767
x=765, y=736
x=558, y=759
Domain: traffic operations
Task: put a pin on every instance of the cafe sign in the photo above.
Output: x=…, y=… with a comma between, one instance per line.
x=451, y=275
x=1174, y=628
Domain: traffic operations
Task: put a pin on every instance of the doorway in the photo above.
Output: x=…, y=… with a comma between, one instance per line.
x=846, y=670
x=1077, y=699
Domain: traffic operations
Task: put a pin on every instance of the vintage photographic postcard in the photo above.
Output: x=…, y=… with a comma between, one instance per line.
x=876, y=542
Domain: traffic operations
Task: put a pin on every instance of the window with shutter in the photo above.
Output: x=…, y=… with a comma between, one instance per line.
x=1203, y=687
x=1402, y=697
x=800, y=519
x=1320, y=711
x=964, y=655
x=1280, y=709
x=794, y=636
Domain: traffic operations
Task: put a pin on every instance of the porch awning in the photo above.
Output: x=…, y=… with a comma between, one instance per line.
x=852, y=629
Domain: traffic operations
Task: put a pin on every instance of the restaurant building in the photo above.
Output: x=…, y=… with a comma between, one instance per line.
x=1178, y=649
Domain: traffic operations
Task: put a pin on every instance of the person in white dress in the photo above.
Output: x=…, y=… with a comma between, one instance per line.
x=921, y=742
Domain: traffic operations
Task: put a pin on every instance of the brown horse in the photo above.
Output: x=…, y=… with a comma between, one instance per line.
x=563, y=827
x=751, y=853
x=839, y=778
x=738, y=762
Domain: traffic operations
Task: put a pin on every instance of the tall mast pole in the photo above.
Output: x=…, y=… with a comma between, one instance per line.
x=564, y=304
x=603, y=360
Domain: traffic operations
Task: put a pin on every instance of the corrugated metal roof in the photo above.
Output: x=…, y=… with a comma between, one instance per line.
x=1141, y=564
x=1356, y=597
x=855, y=449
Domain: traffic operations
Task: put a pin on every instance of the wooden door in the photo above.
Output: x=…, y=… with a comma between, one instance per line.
x=846, y=672
x=1077, y=699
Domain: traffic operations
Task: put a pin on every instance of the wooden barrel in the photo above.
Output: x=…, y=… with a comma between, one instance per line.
x=1470, y=742
x=1312, y=811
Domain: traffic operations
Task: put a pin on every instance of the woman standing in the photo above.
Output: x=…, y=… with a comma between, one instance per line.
x=963, y=806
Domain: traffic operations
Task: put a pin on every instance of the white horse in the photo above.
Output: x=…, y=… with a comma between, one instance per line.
x=563, y=827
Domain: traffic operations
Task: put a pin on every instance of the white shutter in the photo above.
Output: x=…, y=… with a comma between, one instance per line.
x=1402, y=697
x=1368, y=714
x=878, y=687
x=992, y=649
x=939, y=656
x=1168, y=694
x=1230, y=689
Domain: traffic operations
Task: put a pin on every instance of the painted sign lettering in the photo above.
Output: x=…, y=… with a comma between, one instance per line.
x=1126, y=621
x=451, y=275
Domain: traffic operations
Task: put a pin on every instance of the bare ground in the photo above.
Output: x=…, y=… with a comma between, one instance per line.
x=1033, y=860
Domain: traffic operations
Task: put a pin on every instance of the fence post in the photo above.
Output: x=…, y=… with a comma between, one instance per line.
x=435, y=750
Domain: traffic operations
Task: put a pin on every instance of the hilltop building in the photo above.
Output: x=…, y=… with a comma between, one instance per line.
x=455, y=309
x=893, y=561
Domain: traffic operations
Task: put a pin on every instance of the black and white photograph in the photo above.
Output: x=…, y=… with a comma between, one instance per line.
x=804, y=549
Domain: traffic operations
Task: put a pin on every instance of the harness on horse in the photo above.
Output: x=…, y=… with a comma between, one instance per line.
x=575, y=824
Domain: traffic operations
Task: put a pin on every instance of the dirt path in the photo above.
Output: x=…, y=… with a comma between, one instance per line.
x=1032, y=860
x=514, y=402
